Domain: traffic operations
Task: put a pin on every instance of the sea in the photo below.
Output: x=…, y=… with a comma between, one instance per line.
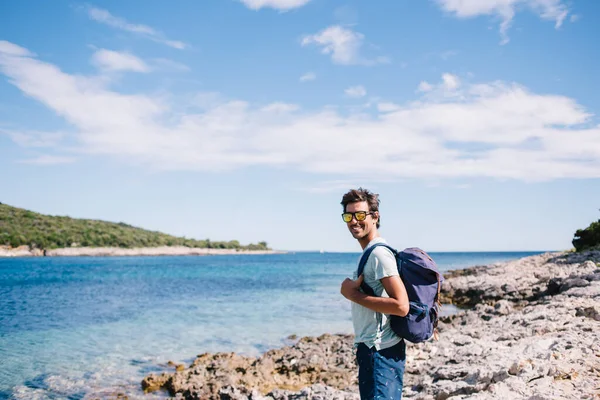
x=91, y=327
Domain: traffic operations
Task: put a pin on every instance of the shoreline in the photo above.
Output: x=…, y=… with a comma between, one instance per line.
x=26, y=251
x=532, y=332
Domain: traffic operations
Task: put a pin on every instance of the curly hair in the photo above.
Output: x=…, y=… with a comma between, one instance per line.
x=360, y=194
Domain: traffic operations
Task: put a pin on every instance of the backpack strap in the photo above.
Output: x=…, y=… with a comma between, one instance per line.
x=363, y=261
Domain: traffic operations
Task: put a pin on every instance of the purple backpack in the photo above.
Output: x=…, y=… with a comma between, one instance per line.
x=423, y=281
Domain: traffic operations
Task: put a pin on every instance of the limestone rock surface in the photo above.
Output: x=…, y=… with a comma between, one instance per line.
x=532, y=332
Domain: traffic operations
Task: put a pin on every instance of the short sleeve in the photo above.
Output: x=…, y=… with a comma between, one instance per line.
x=385, y=263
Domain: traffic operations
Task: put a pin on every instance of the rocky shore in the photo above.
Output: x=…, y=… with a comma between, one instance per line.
x=26, y=251
x=532, y=332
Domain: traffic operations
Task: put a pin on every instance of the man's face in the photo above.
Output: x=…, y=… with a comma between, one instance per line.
x=361, y=229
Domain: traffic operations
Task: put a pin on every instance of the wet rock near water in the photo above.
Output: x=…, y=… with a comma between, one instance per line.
x=533, y=333
x=321, y=367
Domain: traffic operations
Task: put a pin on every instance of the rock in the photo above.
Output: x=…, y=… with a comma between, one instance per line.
x=554, y=286
x=154, y=382
x=571, y=283
x=327, y=359
x=592, y=277
x=509, y=289
x=588, y=312
x=532, y=333
x=26, y=251
x=588, y=264
x=503, y=307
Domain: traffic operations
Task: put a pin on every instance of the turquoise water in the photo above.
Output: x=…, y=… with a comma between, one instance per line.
x=76, y=327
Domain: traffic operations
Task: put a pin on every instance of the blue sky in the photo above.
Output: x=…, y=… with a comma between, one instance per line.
x=476, y=120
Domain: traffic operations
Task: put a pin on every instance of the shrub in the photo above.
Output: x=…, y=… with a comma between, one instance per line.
x=587, y=238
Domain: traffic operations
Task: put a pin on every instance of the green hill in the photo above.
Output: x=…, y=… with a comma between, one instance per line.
x=19, y=227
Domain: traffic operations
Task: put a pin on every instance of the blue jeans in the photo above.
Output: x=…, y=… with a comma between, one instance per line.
x=381, y=373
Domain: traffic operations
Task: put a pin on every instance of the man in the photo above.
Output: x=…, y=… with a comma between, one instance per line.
x=380, y=353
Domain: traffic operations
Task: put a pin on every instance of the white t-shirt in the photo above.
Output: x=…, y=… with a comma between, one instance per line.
x=370, y=327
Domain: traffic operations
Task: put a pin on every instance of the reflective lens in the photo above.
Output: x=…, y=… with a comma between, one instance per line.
x=359, y=215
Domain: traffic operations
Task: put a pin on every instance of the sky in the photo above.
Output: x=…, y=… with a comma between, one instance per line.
x=476, y=121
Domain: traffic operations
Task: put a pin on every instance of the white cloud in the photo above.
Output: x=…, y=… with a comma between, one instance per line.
x=425, y=87
x=387, y=107
x=554, y=10
x=164, y=63
x=118, y=61
x=489, y=129
x=11, y=49
x=105, y=17
x=206, y=100
x=309, y=76
x=448, y=87
x=282, y=5
x=48, y=160
x=280, y=108
x=34, y=138
x=356, y=91
x=343, y=45
x=450, y=81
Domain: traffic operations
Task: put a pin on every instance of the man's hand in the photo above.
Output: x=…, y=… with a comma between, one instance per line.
x=396, y=304
x=350, y=288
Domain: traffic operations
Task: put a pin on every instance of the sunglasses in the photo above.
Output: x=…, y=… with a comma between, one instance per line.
x=359, y=215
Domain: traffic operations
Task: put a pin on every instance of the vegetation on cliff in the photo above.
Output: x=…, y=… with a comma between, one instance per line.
x=587, y=238
x=20, y=227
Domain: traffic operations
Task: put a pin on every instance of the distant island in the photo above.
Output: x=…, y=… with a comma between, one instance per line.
x=24, y=232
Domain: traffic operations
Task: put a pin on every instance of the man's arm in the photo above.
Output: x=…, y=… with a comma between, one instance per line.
x=395, y=304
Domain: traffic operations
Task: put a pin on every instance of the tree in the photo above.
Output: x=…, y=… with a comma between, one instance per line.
x=587, y=238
